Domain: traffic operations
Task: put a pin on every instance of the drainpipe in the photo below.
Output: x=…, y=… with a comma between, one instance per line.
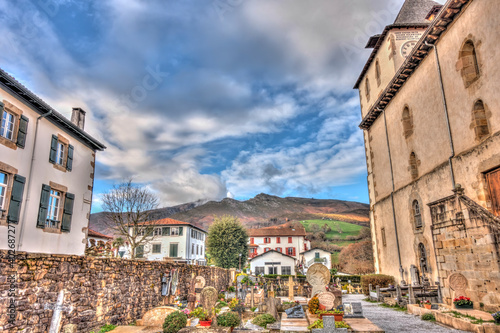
x=445, y=106
x=401, y=270
x=28, y=186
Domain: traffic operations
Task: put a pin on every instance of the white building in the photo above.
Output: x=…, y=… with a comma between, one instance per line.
x=272, y=262
x=174, y=240
x=287, y=238
x=313, y=256
x=97, y=237
x=46, y=173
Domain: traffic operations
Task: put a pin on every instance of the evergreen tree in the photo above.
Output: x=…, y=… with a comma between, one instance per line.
x=227, y=238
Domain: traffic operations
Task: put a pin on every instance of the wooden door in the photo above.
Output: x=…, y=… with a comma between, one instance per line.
x=493, y=179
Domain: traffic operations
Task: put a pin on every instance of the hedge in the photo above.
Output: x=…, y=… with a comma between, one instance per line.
x=375, y=280
x=347, y=278
x=274, y=276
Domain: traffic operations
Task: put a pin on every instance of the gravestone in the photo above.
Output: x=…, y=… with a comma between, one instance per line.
x=198, y=286
x=415, y=280
x=327, y=300
x=272, y=306
x=328, y=326
x=355, y=311
x=295, y=312
x=208, y=299
x=57, y=310
x=458, y=283
x=318, y=276
x=291, y=284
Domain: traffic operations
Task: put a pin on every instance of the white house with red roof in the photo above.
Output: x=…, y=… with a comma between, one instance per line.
x=273, y=262
x=289, y=239
x=97, y=236
x=173, y=240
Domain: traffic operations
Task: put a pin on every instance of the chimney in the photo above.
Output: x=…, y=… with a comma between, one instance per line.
x=78, y=118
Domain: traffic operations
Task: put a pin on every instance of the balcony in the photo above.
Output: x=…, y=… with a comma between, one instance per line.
x=323, y=261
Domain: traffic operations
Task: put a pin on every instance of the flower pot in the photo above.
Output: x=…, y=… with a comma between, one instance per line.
x=322, y=307
x=325, y=315
x=468, y=306
x=428, y=306
x=338, y=317
x=205, y=323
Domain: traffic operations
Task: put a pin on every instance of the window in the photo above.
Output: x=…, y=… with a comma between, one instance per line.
x=392, y=46
x=201, y=249
x=290, y=240
x=197, y=249
x=286, y=270
x=423, y=258
x=384, y=242
x=407, y=121
x=252, y=241
x=290, y=251
x=156, y=248
x=377, y=72
x=174, y=231
x=493, y=181
x=61, y=153
x=7, y=129
x=53, y=212
x=413, y=166
x=367, y=89
x=467, y=63
x=139, y=251
x=165, y=231
x=157, y=232
x=3, y=191
x=192, y=249
x=273, y=270
x=267, y=240
x=56, y=208
x=266, y=249
x=278, y=240
x=259, y=270
x=479, y=121
x=316, y=255
x=416, y=214
x=279, y=249
x=173, y=250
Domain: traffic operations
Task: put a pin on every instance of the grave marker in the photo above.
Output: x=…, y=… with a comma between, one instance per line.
x=318, y=277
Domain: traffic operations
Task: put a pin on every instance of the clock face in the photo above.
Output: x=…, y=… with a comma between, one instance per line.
x=407, y=47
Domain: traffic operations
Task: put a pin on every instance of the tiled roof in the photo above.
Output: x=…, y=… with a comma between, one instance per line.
x=415, y=11
x=270, y=251
x=286, y=229
x=24, y=94
x=168, y=221
x=93, y=233
x=316, y=248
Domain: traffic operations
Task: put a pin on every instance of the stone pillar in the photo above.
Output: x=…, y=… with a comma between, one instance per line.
x=369, y=288
x=440, y=296
x=411, y=296
x=252, y=296
x=398, y=293
x=378, y=294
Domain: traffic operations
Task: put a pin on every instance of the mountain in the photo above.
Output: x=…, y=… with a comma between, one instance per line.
x=260, y=211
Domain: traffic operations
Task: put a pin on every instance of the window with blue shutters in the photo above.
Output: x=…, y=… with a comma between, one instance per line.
x=61, y=153
x=16, y=198
x=13, y=127
x=55, y=210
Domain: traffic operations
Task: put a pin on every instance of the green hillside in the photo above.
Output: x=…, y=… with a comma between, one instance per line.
x=348, y=229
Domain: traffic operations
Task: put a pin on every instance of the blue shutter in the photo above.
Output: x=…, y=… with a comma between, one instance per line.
x=53, y=149
x=180, y=231
x=69, y=162
x=44, y=206
x=165, y=231
x=67, y=212
x=15, y=199
x=23, y=132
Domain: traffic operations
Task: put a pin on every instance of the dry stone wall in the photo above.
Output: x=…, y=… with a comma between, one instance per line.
x=99, y=290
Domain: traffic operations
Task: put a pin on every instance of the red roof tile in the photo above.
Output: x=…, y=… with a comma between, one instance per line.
x=286, y=229
x=93, y=233
x=168, y=221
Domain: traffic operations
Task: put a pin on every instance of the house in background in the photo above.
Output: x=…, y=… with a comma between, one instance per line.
x=272, y=262
x=97, y=237
x=47, y=167
x=173, y=240
x=313, y=256
x=288, y=238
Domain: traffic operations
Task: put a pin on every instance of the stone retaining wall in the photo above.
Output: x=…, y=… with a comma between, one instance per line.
x=100, y=291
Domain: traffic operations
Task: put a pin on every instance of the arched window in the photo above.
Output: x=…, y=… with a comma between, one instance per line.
x=479, y=121
x=393, y=45
x=413, y=166
x=367, y=89
x=407, y=120
x=423, y=258
x=377, y=72
x=417, y=216
x=467, y=63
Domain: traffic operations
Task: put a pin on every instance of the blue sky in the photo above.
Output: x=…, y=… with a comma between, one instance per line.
x=206, y=99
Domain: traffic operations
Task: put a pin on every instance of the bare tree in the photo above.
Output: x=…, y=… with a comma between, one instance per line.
x=127, y=207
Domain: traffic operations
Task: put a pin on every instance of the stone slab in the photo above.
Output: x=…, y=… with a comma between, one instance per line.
x=199, y=329
x=363, y=325
x=293, y=325
x=137, y=329
x=156, y=317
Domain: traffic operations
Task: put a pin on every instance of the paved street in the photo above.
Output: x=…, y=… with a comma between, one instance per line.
x=393, y=321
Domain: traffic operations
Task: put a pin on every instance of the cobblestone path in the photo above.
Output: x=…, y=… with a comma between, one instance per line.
x=393, y=321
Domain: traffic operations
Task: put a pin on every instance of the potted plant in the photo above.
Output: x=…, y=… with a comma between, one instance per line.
x=496, y=316
x=314, y=305
x=463, y=302
x=427, y=304
x=174, y=322
x=203, y=316
x=228, y=319
x=338, y=314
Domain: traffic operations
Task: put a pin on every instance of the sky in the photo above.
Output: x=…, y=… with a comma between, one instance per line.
x=202, y=100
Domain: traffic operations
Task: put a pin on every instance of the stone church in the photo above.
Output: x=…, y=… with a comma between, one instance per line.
x=431, y=121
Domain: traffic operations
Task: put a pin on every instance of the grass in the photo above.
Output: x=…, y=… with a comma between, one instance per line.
x=473, y=320
x=394, y=307
x=348, y=229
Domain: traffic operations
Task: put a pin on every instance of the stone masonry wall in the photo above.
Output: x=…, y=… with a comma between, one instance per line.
x=101, y=291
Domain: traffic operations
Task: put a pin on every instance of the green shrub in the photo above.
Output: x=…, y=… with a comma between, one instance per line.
x=174, y=322
x=221, y=296
x=313, y=304
x=221, y=304
x=231, y=289
x=263, y=319
x=428, y=316
x=347, y=278
x=228, y=319
x=375, y=280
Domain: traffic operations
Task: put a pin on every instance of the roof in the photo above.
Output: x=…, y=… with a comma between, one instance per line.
x=270, y=251
x=286, y=229
x=38, y=105
x=446, y=16
x=415, y=11
x=253, y=245
x=93, y=233
x=169, y=222
x=315, y=249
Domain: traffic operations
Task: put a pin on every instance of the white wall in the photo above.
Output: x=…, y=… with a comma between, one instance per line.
x=322, y=254
x=78, y=181
x=272, y=257
x=297, y=242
